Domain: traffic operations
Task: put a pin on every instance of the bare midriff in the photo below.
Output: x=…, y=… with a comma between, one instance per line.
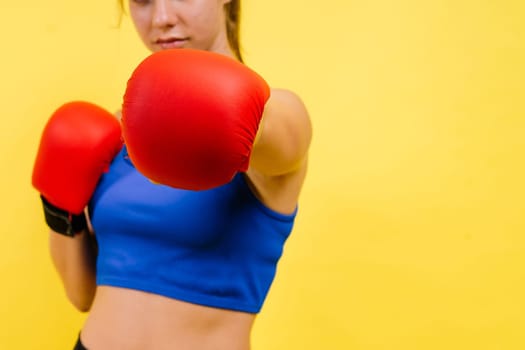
x=133, y=320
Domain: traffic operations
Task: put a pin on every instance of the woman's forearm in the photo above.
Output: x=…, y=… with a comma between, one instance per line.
x=74, y=259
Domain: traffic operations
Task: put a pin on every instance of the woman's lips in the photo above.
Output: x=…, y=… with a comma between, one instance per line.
x=171, y=43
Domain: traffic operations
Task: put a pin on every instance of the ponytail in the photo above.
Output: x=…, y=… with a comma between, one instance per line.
x=233, y=19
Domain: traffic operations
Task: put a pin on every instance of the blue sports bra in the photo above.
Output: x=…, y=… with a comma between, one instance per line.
x=217, y=247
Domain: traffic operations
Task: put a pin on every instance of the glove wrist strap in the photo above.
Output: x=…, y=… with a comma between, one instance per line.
x=62, y=221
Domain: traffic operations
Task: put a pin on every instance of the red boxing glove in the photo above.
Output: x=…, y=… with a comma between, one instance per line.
x=78, y=144
x=190, y=117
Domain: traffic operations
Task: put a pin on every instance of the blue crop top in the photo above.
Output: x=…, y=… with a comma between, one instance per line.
x=217, y=247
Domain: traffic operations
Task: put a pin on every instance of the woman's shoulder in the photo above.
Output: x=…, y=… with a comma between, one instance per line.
x=287, y=109
x=118, y=114
x=286, y=103
x=288, y=96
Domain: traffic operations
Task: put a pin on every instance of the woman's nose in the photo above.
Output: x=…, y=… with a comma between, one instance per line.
x=164, y=14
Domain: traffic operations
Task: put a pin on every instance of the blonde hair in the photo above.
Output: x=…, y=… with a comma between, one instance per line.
x=233, y=21
x=232, y=10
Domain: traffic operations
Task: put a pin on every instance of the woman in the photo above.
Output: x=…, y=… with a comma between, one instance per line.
x=212, y=307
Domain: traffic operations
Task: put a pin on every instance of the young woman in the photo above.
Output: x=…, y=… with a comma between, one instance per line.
x=138, y=256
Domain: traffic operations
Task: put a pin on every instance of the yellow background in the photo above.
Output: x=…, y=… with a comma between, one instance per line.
x=411, y=229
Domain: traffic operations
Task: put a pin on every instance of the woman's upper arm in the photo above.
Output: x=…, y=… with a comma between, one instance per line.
x=284, y=135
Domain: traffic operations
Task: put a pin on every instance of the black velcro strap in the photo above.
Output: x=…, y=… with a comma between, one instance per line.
x=61, y=221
